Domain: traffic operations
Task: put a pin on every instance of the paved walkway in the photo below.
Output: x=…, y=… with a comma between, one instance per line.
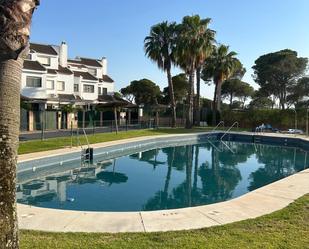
x=262, y=201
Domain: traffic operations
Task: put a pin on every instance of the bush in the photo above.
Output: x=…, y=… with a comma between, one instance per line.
x=281, y=119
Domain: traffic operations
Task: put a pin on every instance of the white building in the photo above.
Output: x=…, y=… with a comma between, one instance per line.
x=51, y=80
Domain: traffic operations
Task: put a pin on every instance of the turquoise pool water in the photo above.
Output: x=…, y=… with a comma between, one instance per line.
x=166, y=178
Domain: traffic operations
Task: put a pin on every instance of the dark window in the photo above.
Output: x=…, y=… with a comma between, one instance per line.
x=88, y=89
x=104, y=91
x=76, y=88
x=34, y=81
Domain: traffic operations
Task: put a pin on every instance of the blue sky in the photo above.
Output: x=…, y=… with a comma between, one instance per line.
x=116, y=29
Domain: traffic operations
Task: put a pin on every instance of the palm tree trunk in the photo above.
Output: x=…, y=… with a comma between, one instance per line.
x=15, y=20
x=172, y=96
x=198, y=96
x=189, y=119
x=189, y=152
x=219, y=89
x=10, y=78
x=214, y=106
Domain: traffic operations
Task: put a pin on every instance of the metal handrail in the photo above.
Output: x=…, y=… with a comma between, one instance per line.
x=220, y=123
x=229, y=129
x=85, y=134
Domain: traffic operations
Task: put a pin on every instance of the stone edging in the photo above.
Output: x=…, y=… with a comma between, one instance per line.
x=262, y=201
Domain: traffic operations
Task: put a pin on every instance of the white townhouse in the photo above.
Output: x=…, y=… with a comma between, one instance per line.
x=51, y=80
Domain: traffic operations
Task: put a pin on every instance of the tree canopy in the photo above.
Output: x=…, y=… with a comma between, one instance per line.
x=142, y=92
x=277, y=72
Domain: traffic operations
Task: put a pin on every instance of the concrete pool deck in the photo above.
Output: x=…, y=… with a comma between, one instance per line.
x=262, y=201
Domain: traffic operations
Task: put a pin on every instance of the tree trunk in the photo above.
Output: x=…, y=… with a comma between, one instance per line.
x=189, y=119
x=10, y=78
x=231, y=100
x=219, y=95
x=116, y=119
x=15, y=20
x=214, y=106
x=172, y=97
x=189, y=155
x=198, y=96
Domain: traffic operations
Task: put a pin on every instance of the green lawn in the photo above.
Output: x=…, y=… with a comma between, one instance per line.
x=288, y=228
x=57, y=143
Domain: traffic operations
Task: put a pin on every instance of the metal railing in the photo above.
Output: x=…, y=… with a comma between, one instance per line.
x=229, y=129
x=218, y=125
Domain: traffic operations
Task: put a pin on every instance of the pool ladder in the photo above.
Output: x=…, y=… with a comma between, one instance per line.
x=85, y=152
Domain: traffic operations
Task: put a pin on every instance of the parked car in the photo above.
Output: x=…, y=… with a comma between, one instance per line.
x=295, y=131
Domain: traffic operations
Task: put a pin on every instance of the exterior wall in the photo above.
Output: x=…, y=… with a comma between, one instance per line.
x=54, y=60
x=89, y=96
x=109, y=86
x=44, y=93
x=34, y=92
x=69, y=83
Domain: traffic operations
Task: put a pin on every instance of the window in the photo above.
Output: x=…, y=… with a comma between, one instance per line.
x=44, y=60
x=100, y=90
x=76, y=88
x=33, y=81
x=88, y=88
x=50, y=84
x=60, y=86
x=104, y=91
x=92, y=71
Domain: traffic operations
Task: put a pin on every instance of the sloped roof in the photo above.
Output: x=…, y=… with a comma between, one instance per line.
x=108, y=79
x=51, y=71
x=86, y=61
x=33, y=65
x=64, y=70
x=43, y=49
x=85, y=75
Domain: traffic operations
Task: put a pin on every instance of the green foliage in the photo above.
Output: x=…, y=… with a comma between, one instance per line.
x=195, y=42
x=299, y=91
x=221, y=65
x=143, y=91
x=67, y=108
x=276, y=73
x=261, y=103
x=160, y=44
x=251, y=118
x=236, y=88
x=180, y=84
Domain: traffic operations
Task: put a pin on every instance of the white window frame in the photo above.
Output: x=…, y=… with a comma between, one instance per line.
x=53, y=85
x=86, y=88
x=32, y=84
x=62, y=89
x=43, y=58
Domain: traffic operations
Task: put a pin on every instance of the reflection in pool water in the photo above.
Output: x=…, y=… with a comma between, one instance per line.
x=167, y=178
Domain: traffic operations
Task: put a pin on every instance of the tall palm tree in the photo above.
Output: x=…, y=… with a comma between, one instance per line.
x=15, y=20
x=205, y=52
x=193, y=45
x=219, y=67
x=159, y=47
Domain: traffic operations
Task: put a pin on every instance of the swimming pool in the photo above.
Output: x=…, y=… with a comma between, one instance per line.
x=179, y=174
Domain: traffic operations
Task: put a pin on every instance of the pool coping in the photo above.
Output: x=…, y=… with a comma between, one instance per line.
x=262, y=201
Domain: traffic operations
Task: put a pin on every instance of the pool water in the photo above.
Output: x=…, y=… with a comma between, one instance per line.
x=167, y=178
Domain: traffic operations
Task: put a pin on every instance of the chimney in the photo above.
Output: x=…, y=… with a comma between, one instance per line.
x=104, y=65
x=63, y=55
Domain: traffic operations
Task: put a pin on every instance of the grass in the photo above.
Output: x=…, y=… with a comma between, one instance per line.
x=287, y=228
x=63, y=142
